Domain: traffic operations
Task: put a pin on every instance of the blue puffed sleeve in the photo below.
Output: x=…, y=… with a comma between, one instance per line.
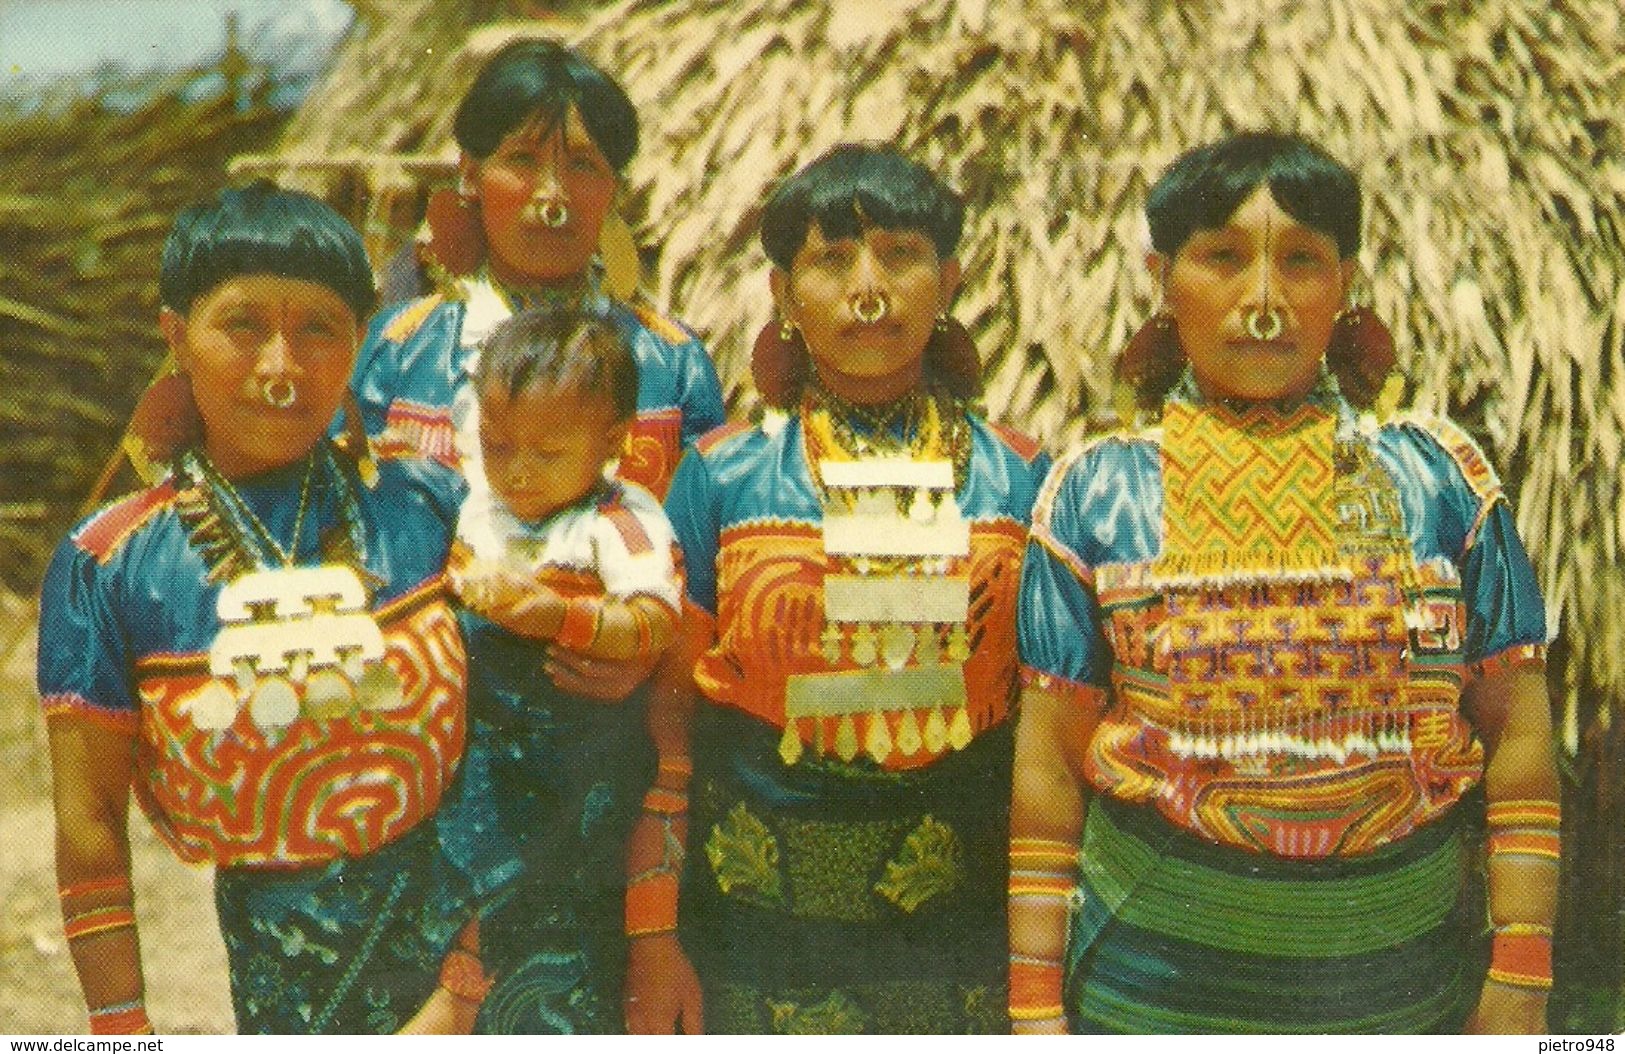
x=700, y=392
x=1455, y=508
x=692, y=506
x=84, y=658
x=409, y=353
x=1504, y=605
x=1058, y=624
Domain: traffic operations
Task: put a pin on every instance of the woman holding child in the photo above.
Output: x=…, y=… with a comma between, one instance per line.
x=261, y=649
x=1275, y=646
x=851, y=570
x=537, y=369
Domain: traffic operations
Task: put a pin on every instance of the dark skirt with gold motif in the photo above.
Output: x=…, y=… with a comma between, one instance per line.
x=832, y=897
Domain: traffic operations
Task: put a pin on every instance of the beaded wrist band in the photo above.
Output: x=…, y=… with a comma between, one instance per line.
x=580, y=625
x=1043, y=869
x=651, y=904
x=1521, y=952
x=651, y=896
x=1043, y=872
x=1521, y=955
x=674, y=772
x=125, y=1019
x=1035, y=990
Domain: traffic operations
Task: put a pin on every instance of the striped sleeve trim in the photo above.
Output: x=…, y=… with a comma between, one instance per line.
x=1077, y=692
x=73, y=706
x=1515, y=657
x=104, y=534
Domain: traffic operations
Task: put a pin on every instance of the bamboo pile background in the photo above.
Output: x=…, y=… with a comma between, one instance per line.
x=1487, y=134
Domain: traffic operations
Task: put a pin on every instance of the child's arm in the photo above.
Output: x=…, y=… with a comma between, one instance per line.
x=600, y=627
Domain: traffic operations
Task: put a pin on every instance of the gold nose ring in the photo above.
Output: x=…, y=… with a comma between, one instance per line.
x=870, y=308
x=1264, y=323
x=554, y=214
x=278, y=393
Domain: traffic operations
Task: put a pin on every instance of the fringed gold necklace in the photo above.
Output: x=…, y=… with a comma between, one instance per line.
x=293, y=640
x=896, y=597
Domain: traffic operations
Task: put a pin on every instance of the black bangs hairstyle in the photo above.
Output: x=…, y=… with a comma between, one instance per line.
x=1202, y=189
x=854, y=186
x=540, y=80
x=561, y=349
x=263, y=229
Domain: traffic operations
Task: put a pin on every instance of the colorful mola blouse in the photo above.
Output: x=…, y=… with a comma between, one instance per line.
x=324, y=762
x=1281, y=608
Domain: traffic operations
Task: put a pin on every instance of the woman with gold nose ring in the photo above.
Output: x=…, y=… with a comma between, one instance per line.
x=544, y=136
x=852, y=565
x=1278, y=641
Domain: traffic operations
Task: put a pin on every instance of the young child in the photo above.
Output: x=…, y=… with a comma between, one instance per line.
x=552, y=548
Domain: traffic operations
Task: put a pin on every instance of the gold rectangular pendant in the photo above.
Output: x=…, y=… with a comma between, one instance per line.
x=887, y=472
x=848, y=534
x=873, y=598
x=873, y=691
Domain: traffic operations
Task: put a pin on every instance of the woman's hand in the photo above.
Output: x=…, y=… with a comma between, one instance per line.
x=607, y=680
x=662, y=989
x=1505, y=1011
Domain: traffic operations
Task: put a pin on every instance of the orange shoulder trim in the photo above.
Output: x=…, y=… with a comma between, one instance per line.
x=1022, y=443
x=633, y=536
x=105, y=533
x=661, y=326
x=403, y=325
x=721, y=434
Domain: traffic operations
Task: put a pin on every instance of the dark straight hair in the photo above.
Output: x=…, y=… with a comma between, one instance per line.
x=541, y=79
x=561, y=349
x=1203, y=188
x=263, y=229
x=856, y=185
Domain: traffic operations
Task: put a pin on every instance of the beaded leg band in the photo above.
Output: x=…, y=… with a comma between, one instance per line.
x=461, y=971
x=1521, y=952
x=1043, y=875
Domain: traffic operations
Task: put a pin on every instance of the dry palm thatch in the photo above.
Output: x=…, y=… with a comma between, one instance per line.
x=1485, y=132
x=91, y=186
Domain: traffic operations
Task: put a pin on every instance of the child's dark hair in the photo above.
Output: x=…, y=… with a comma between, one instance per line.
x=1205, y=186
x=263, y=229
x=856, y=185
x=558, y=348
x=531, y=79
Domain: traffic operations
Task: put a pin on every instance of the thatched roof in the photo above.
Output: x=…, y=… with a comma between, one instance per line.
x=1486, y=133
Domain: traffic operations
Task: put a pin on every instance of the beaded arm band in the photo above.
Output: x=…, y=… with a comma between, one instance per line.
x=580, y=626
x=1043, y=872
x=98, y=906
x=651, y=894
x=1521, y=952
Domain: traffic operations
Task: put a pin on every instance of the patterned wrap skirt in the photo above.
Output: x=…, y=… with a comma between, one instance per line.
x=1178, y=935
x=350, y=947
x=537, y=821
x=830, y=897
